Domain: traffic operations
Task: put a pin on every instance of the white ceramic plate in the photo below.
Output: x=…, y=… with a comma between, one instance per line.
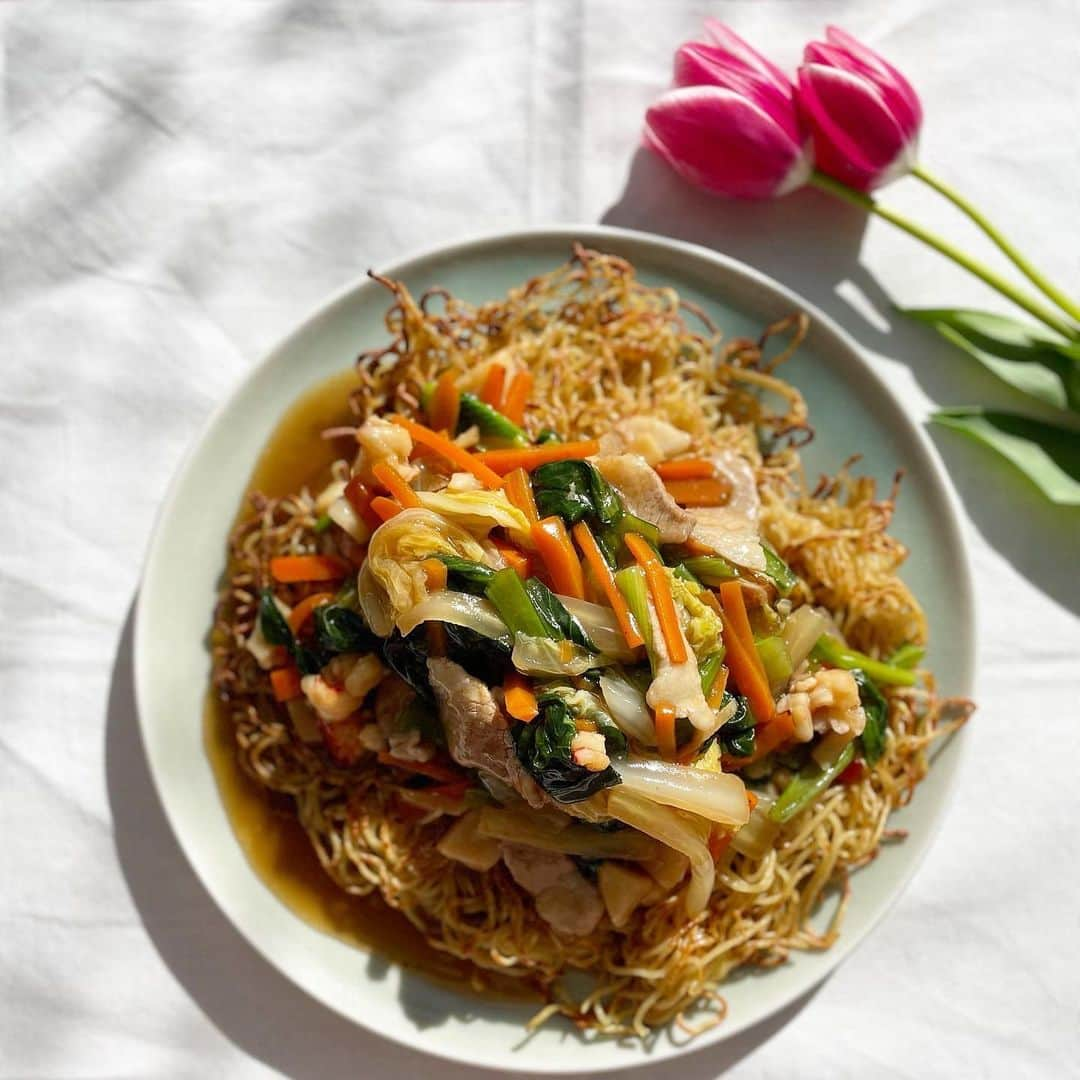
x=851, y=410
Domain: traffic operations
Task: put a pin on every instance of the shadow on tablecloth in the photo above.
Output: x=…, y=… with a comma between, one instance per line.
x=247, y=999
x=811, y=243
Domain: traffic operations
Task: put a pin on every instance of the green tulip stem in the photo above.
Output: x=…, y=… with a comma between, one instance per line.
x=1070, y=307
x=1029, y=303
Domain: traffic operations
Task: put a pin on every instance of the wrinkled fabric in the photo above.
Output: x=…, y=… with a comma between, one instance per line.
x=184, y=180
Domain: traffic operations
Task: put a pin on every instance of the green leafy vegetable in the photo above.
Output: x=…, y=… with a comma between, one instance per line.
x=274, y=626
x=419, y=715
x=544, y=748
x=631, y=583
x=907, y=656
x=515, y=607
x=839, y=655
x=490, y=422
x=630, y=523
x=342, y=630
x=574, y=491
x=776, y=660
x=1047, y=454
x=708, y=669
x=877, y=717
x=464, y=575
x=1025, y=356
x=486, y=659
x=778, y=571
x=547, y=436
x=737, y=734
x=809, y=785
x=559, y=621
x=407, y=656
x=322, y=523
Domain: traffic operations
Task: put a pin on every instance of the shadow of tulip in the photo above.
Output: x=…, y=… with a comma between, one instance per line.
x=811, y=243
x=245, y=997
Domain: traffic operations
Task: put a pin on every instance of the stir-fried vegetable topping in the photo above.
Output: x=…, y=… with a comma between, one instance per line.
x=834, y=652
x=809, y=785
x=491, y=423
x=876, y=708
x=575, y=491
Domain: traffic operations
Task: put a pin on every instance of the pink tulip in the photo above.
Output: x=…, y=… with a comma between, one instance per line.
x=730, y=125
x=863, y=113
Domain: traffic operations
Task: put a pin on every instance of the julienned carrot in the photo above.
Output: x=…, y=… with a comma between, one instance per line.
x=665, y=730
x=719, y=842
x=445, y=403
x=505, y=461
x=716, y=691
x=708, y=491
x=688, y=469
x=560, y=558
x=742, y=656
x=395, y=483
x=517, y=397
x=359, y=497
x=435, y=572
x=422, y=768
x=767, y=738
x=519, y=697
x=606, y=580
x=494, y=381
x=660, y=590
x=291, y=568
x=513, y=556
x=751, y=801
x=384, y=509
x=302, y=612
x=456, y=455
x=519, y=491
x=285, y=682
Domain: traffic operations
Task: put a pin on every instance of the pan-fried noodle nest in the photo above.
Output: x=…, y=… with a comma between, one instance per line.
x=602, y=347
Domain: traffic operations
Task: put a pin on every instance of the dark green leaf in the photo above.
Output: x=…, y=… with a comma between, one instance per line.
x=341, y=630
x=737, y=734
x=273, y=624
x=1025, y=356
x=310, y=659
x=543, y=747
x=877, y=717
x=484, y=658
x=422, y=716
x=574, y=491
x=407, y=656
x=547, y=436
x=464, y=575
x=490, y=422
x=554, y=615
x=1047, y=454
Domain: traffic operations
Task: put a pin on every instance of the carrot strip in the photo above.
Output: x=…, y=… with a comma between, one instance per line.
x=435, y=572
x=519, y=491
x=395, y=483
x=519, y=697
x=746, y=665
x=517, y=396
x=660, y=590
x=606, y=580
x=514, y=557
x=445, y=403
x=718, y=843
x=384, y=509
x=422, y=768
x=291, y=568
x=665, y=730
x=437, y=643
x=702, y=492
x=751, y=801
x=689, y=469
x=767, y=738
x=285, y=682
x=504, y=461
x=359, y=496
x=456, y=455
x=560, y=558
x=696, y=547
x=494, y=381
x=716, y=692
x=303, y=611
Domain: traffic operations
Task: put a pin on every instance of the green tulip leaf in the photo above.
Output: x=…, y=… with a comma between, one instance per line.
x=1047, y=454
x=1025, y=356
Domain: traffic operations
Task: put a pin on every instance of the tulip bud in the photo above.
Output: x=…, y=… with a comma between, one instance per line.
x=730, y=126
x=863, y=114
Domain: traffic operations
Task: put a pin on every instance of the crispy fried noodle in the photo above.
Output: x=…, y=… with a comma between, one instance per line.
x=578, y=804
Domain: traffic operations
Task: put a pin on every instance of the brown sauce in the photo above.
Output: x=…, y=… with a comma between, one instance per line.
x=273, y=841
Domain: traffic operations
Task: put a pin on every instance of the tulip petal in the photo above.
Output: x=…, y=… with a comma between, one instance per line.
x=725, y=143
x=856, y=137
x=698, y=64
x=737, y=51
x=872, y=61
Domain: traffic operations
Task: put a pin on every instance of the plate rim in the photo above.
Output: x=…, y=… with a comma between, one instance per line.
x=942, y=494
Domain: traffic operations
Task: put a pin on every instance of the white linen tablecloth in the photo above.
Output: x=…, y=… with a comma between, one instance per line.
x=183, y=180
